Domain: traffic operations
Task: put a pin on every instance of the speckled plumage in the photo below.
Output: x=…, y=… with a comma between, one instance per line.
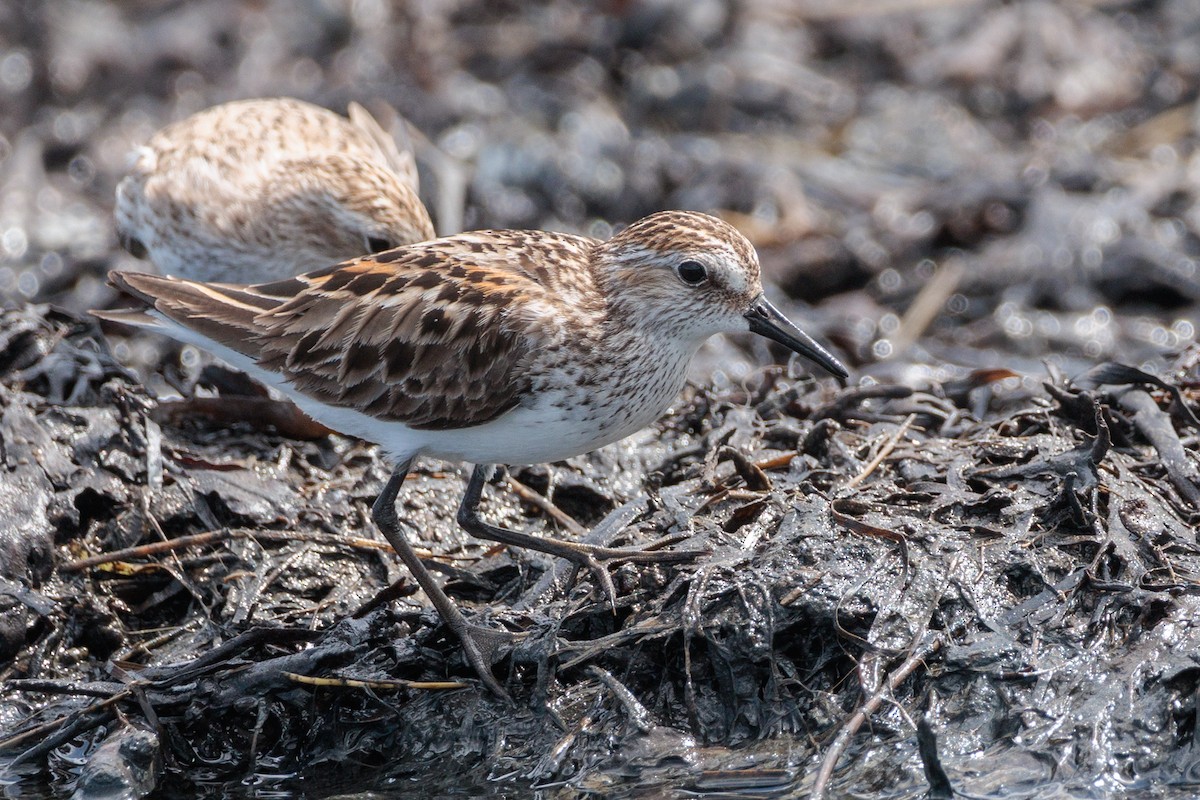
x=510, y=347
x=492, y=346
x=261, y=190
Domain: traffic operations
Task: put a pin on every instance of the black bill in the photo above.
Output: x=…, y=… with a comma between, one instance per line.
x=765, y=320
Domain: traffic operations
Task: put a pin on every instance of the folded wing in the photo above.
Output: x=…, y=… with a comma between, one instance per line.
x=409, y=335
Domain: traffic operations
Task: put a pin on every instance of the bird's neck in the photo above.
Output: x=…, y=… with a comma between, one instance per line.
x=654, y=343
x=664, y=329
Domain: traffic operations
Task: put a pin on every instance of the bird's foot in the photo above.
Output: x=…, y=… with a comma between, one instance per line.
x=586, y=556
x=483, y=647
x=595, y=560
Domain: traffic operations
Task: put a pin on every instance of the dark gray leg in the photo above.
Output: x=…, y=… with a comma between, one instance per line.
x=587, y=556
x=479, y=644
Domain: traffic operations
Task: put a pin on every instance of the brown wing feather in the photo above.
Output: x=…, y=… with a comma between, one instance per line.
x=426, y=335
x=224, y=313
x=402, y=342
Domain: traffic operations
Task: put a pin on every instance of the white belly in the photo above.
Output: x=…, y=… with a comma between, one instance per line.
x=557, y=423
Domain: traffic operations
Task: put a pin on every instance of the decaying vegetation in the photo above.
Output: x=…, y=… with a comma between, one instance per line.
x=974, y=568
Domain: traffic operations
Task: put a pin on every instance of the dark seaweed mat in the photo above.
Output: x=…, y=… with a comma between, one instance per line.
x=1047, y=149
x=1041, y=562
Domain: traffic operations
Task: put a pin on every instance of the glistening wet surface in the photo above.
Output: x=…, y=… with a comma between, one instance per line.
x=991, y=212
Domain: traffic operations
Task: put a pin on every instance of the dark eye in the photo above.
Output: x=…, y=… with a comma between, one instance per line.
x=376, y=244
x=692, y=273
x=133, y=245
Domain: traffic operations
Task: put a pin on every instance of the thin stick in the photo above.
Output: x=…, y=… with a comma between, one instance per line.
x=825, y=10
x=883, y=452
x=928, y=303
x=551, y=510
x=208, y=537
x=778, y=462
x=842, y=741
x=19, y=738
x=386, y=685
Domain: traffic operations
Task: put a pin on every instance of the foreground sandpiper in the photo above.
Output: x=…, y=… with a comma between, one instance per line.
x=261, y=190
x=493, y=347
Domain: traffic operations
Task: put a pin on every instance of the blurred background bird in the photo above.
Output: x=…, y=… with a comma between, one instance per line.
x=260, y=190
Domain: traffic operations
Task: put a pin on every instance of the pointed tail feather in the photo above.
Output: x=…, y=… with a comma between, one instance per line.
x=224, y=313
x=133, y=317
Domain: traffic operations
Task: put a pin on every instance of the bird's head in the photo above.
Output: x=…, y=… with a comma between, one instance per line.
x=690, y=275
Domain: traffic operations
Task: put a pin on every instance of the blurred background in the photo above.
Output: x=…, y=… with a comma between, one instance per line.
x=953, y=194
x=1029, y=166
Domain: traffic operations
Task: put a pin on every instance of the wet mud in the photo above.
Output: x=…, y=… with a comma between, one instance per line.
x=973, y=569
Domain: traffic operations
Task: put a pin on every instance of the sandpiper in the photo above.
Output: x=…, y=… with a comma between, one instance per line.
x=492, y=347
x=262, y=190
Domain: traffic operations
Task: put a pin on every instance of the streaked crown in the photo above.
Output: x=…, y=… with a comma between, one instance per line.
x=693, y=272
